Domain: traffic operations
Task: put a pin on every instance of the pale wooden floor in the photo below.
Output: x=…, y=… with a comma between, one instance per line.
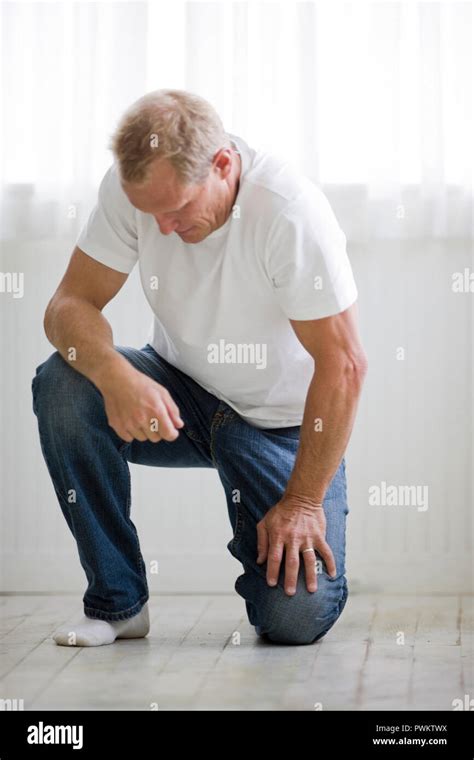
x=190, y=659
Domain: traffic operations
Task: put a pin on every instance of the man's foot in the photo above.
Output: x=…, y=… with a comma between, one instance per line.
x=89, y=632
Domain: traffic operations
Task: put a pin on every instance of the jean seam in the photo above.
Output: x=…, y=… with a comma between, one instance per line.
x=138, y=557
x=221, y=417
x=191, y=434
x=61, y=497
x=339, y=607
x=239, y=524
x=215, y=424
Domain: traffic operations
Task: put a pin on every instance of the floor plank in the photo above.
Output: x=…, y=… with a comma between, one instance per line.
x=385, y=652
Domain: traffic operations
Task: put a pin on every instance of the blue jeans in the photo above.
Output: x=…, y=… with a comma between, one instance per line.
x=85, y=456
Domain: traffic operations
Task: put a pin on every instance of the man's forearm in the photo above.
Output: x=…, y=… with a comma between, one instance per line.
x=329, y=414
x=83, y=337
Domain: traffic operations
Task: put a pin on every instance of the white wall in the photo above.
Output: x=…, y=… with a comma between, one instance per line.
x=414, y=427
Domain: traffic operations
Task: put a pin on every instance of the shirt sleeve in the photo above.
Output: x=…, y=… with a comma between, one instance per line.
x=110, y=233
x=307, y=261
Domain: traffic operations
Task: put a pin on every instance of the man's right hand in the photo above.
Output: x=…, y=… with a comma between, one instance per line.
x=137, y=407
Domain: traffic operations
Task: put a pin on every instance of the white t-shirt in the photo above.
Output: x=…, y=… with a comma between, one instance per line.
x=222, y=306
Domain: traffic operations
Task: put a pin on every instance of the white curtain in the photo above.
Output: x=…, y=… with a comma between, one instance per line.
x=374, y=103
x=372, y=100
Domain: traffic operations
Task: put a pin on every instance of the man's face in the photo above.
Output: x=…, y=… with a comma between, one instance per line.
x=191, y=211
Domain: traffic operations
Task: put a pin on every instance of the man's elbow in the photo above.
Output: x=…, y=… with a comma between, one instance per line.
x=347, y=367
x=361, y=364
x=356, y=367
x=49, y=318
x=46, y=322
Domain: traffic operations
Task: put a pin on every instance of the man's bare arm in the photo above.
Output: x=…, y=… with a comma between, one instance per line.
x=73, y=318
x=333, y=395
x=137, y=407
x=296, y=521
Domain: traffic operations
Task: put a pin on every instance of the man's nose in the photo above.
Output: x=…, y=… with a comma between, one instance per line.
x=166, y=225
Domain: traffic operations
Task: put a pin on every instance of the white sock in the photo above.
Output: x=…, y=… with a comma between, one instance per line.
x=89, y=632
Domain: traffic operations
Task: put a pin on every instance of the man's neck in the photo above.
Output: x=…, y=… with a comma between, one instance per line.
x=233, y=183
x=238, y=174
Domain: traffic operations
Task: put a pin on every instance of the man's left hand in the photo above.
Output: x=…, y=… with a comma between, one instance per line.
x=292, y=525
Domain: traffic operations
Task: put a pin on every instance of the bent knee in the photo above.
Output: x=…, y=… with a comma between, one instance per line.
x=302, y=620
x=60, y=393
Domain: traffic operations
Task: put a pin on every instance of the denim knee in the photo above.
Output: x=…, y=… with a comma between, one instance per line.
x=305, y=617
x=61, y=395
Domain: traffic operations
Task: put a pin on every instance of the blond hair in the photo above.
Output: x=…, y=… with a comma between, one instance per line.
x=172, y=124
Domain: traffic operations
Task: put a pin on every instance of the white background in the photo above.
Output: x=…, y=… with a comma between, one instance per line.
x=374, y=103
